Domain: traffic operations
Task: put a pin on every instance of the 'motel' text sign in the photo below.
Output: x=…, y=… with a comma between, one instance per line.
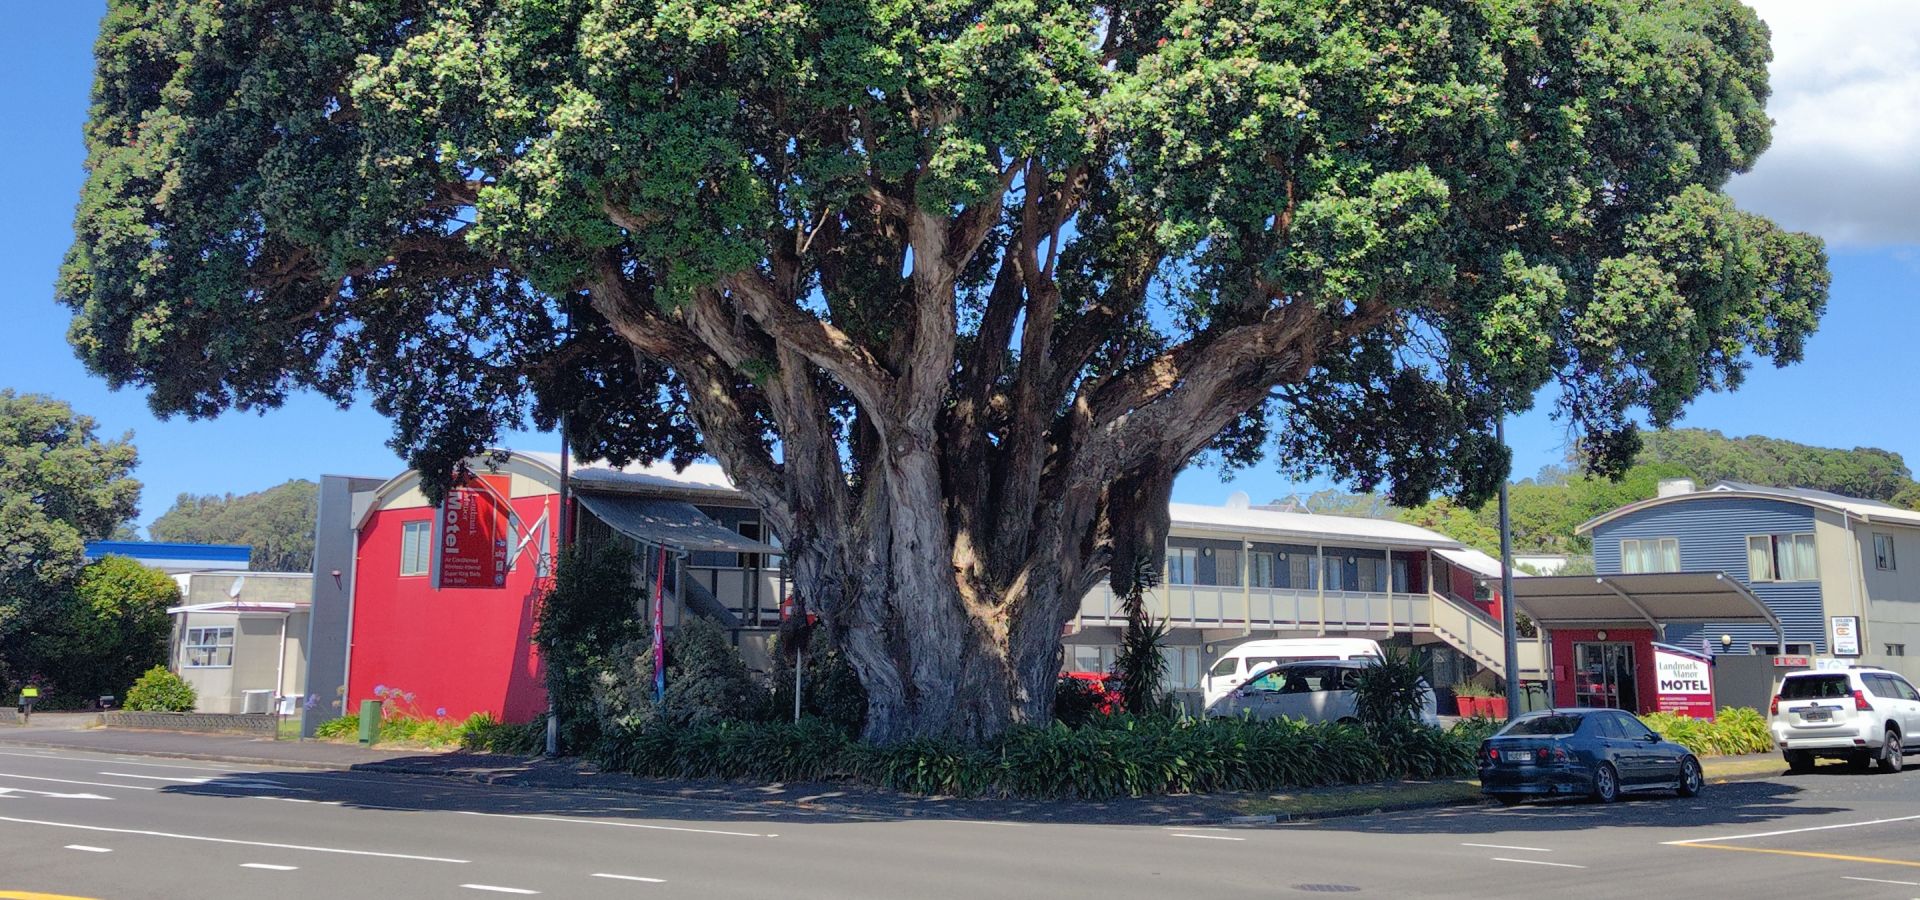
x=471, y=534
x=1685, y=682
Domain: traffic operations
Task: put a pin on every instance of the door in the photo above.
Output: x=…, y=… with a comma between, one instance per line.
x=1903, y=705
x=1260, y=698
x=1651, y=762
x=1604, y=676
x=1302, y=693
x=1912, y=721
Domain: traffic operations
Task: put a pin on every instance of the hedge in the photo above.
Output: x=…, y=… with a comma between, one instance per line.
x=1118, y=756
x=1733, y=731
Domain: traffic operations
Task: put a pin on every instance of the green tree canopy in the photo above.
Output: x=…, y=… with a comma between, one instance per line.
x=60, y=486
x=277, y=522
x=951, y=289
x=1710, y=456
x=110, y=627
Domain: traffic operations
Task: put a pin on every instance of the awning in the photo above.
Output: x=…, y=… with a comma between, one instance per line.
x=1651, y=598
x=262, y=607
x=1473, y=561
x=669, y=523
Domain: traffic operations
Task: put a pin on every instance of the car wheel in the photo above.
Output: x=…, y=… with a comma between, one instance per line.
x=1798, y=761
x=1606, y=783
x=1891, y=752
x=1510, y=799
x=1691, y=778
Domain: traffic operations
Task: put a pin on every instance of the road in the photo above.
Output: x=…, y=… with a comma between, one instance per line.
x=98, y=826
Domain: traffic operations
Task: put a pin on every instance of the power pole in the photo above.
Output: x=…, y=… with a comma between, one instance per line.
x=1508, y=629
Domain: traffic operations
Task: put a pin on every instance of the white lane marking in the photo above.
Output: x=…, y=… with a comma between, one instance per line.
x=1209, y=837
x=1761, y=834
x=6, y=791
x=630, y=878
x=1881, y=880
x=468, y=812
x=498, y=889
x=155, y=777
x=269, y=867
x=1507, y=847
x=128, y=787
x=86, y=848
x=219, y=840
x=1538, y=862
x=985, y=822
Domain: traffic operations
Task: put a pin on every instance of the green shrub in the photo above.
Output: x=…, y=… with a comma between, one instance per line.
x=1734, y=731
x=832, y=691
x=589, y=616
x=1076, y=701
x=707, y=682
x=1390, y=692
x=159, y=690
x=483, y=733
x=1115, y=756
x=342, y=728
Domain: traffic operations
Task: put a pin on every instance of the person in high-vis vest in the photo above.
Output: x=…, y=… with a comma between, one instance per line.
x=28, y=695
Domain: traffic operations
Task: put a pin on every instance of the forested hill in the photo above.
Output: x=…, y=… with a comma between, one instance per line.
x=277, y=522
x=1549, y=506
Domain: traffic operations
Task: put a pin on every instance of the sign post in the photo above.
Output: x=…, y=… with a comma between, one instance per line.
x=660, y=629
x=470, y=534
x=1846, y=635
x=1685, y=681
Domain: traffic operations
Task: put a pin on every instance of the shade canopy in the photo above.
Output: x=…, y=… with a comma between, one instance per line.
x=669, y=523
x=1651, y=598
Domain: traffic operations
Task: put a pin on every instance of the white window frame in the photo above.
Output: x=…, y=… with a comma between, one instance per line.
x=1630, y=550
x=416, y=538
x=1883, y=552
x=1773, y=543
x=211, y=640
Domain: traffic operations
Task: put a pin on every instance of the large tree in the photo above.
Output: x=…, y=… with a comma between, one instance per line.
x=60, y=486
x=100, y=634
x=953, y=288
x=277, y=523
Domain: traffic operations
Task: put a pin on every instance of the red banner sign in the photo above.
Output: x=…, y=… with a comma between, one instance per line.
x=471, y=536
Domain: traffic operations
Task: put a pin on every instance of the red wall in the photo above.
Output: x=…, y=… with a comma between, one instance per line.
x=465, y=650
x=1645, y=680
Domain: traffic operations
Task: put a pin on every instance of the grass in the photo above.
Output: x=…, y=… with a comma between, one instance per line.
x=409, y=732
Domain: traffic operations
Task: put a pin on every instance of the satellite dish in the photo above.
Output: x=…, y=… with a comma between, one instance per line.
x=1239, y=500
x=233, y=593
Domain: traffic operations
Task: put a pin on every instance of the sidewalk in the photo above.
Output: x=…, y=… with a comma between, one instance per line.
x=581, y=775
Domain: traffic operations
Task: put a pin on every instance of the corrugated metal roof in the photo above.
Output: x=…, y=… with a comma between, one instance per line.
x=1306, y=526
x=1474, y=561
x=669, y=523
x=696, y=476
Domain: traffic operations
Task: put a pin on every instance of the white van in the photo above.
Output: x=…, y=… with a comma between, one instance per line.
x=1243, y=662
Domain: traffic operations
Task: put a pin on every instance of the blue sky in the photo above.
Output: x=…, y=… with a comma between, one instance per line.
x=1847, y=100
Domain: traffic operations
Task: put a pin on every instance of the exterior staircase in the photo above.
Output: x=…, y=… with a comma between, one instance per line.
x=1476, y=634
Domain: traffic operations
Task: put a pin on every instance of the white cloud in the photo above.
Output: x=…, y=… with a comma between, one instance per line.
x=1845, y=160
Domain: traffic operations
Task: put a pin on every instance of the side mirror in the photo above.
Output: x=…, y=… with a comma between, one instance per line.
x=1653, y=737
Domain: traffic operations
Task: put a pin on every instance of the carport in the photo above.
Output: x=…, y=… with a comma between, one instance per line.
x=1603, y=627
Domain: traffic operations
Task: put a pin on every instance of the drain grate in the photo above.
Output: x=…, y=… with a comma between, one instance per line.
x=1327, y=888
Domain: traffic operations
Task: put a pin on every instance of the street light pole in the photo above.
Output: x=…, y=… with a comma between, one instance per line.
x=1507, y=627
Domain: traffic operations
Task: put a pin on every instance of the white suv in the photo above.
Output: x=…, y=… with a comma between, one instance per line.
x=1860, y=714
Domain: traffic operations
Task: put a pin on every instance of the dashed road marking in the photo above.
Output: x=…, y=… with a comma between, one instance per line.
x=269, y=867
x=1209, y=837
x=155, y=777
x=220, y=840
x=1508, y=847
x=498, y=889
x=1761, y=834
x=129, y=787
x=629, y=878
x=88, y=848
x=1881, y=880
x=468, y=812
x=1538, y=862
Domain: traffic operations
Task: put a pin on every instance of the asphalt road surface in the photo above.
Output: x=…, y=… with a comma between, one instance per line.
x=97, y=826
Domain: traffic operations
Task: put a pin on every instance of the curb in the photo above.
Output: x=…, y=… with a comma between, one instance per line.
x=172, y=754
x=1320, y=815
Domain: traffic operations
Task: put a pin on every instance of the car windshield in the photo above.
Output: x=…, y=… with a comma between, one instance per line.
x=1542, y=725
x=1816, y=687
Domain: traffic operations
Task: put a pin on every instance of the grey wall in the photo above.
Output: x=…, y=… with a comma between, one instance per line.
x=1744, y=681
x=333, y=551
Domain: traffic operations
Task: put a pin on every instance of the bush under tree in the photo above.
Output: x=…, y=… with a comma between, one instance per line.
x=591, y=615
x=105, y=630
x=160, y=690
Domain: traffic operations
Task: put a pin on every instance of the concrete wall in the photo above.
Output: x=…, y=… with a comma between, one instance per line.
x=333, y=567
x=1893, y=598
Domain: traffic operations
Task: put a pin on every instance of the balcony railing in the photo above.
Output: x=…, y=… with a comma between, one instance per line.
x=1227, y=606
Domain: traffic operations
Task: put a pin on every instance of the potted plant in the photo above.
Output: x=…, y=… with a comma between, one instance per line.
x=1493, y=706
x=1467, y=696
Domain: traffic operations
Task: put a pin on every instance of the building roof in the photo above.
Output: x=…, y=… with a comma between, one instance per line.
x=175, y=557
x=1300, y=526
x=1559, y=601
x=1856, y=507
x=1473, y=561
x=658, y=475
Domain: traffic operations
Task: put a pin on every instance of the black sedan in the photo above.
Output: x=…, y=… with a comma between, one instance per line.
x=1600, y=753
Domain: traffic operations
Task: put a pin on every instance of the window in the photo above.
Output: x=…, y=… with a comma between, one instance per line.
x=208, y=648
x=1226, y=567
x=1881, y=686
x=1896, y=650
x=1774, y=650
x=1183, y=565
x=1650, y=555
x=1904, y=687
x=751, y=531
x=1816, y=687
x=1883, y=552
x=416, y=547
x=1263, y=569
x=1781, y=557
x=1227, y=666
x=1183, y=667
